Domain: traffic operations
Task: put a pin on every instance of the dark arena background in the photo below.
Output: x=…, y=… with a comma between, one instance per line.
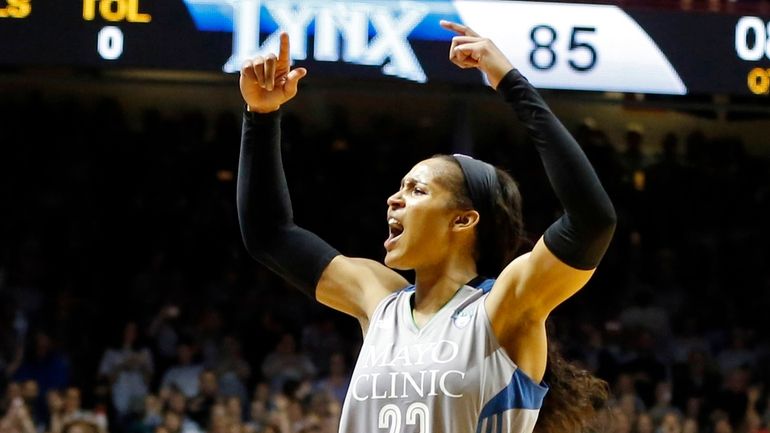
x=128, y=303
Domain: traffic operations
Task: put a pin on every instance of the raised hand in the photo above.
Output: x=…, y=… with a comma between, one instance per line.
x=268, y=82
x=469, y=50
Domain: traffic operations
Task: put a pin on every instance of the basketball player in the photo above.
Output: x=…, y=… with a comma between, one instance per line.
x=455, y=351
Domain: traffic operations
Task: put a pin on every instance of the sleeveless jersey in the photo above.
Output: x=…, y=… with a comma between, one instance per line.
x=450, y=376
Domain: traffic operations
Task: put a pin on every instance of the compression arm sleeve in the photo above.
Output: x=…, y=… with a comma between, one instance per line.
x=581, y=236
x=264, y=208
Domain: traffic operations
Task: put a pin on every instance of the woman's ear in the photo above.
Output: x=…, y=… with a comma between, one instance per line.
x=466, y=220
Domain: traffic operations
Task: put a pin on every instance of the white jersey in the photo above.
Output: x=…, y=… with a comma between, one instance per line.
x=450, y=376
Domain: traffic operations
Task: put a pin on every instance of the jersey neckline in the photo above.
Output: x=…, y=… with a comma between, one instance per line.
x=409, y=312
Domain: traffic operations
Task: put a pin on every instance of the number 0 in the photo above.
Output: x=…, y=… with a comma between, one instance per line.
x=110, y=43
x=752, y=28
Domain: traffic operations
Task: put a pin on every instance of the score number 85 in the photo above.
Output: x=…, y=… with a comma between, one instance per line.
x=543, y=56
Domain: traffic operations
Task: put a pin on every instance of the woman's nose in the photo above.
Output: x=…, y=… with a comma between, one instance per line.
x=395, y=200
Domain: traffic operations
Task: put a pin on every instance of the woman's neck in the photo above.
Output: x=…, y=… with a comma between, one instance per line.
x=435, y=286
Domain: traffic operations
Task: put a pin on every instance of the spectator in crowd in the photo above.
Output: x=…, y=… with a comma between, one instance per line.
x=721, y=424
x=336, y=383
x=662, y=404
x=263, y=394
x=733, y=398
x=284, y=363
x=322, y=339
x=644, y=424
x=646, y=366
x=325, y=411
x=696, y=378
x=172, y=422
x=185, y=374
x=232, y=370
x=690, y=426
x=64, y=409
x=753, y=424
x=81, y=426
x=128, y=368
x=644, y=314
x=178, y=404
x=625, y=395
x=617, y=420
x=30, y=393
x=17, y=419
x=44, y=368
x=71, y=404
x=234, y=410
x=208, y=395
x=689, y=339
x=671, y=423
x=737, y=354
x=258, y=417
x=153, y=415
x=56, y=415
x=164, y=332
x=209, y=335
x=13, y=328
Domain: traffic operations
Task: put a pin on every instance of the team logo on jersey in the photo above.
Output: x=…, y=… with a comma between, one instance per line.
x=383, y=324
x=461, y=319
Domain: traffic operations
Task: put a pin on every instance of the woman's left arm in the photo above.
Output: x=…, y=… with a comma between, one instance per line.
x=565, y=257
x=570, y=250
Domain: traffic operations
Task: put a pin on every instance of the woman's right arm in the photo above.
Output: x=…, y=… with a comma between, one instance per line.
x=353, y=286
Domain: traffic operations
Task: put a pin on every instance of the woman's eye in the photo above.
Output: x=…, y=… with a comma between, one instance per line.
x=418, y=191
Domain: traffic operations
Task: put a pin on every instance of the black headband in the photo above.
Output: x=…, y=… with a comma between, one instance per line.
x=481, y=180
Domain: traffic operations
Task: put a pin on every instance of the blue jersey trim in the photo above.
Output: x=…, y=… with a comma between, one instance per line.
x=520, y=393
x=486, y=285
x=409, y=288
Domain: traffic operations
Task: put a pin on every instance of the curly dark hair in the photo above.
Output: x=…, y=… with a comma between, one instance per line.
x=575, y=398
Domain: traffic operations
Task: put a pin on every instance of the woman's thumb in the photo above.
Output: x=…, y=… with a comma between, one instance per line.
x=292, y=80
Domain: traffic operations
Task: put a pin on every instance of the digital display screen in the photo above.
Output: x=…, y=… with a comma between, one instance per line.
x=555, y=45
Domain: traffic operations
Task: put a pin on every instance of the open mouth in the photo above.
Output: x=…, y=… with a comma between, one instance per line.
x=395, y=230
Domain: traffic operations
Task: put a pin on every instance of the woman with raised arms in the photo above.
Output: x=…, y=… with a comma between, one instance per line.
x=464, y=348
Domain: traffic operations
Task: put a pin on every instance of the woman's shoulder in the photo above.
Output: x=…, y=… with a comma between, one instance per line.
x=394, y=299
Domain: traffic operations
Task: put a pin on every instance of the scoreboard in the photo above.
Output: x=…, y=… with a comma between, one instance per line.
x=556, y=45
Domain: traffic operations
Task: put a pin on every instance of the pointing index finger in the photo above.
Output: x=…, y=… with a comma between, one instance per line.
x=457, y=28
x=284, y=52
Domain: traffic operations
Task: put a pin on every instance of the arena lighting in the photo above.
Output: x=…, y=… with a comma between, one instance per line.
x=556, y=45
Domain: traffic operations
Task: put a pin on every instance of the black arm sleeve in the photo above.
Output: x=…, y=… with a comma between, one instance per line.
x=264, y=208
x=581, y=236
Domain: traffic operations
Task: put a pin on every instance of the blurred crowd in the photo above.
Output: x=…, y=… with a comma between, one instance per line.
x=128, y=304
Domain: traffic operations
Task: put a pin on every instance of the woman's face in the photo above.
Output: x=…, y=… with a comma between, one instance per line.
x=172, y=422
x=420, y=216
x=644, y=424
x=55, y=401
x=177, y=402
